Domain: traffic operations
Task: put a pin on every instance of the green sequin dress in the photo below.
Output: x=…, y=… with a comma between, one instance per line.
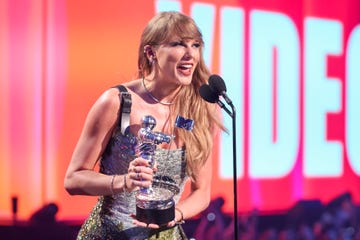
x=110, y=217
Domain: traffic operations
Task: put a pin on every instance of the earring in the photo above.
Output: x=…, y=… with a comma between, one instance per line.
x=147, y=49
x=152, y=59
x=148, y=52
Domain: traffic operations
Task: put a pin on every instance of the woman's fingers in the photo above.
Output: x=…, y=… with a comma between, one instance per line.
x=142, y=224
x=139, y=162
x=141, y=179
x=171, y=223
x=140, y=173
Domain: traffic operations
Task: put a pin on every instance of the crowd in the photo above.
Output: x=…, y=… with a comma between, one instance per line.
x=306, y=220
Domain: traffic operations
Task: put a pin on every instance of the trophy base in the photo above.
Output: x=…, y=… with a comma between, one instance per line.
x=157, y=206
x=157, y=216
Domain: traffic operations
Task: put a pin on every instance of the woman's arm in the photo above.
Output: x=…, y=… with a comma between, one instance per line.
x=199, y=198
x=80, y=178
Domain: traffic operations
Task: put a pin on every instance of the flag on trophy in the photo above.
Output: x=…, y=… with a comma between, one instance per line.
x=184, y=123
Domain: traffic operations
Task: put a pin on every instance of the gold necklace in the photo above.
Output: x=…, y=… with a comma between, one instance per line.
x=153, y=97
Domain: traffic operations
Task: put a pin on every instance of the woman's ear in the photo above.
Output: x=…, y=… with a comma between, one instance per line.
x=149, y=52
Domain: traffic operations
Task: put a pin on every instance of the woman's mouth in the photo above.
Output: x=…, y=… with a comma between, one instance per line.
x=185, y=68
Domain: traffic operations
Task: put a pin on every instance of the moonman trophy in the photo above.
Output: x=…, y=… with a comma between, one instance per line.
x=156, y=204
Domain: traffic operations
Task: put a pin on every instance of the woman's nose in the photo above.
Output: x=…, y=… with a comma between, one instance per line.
x=189, y=53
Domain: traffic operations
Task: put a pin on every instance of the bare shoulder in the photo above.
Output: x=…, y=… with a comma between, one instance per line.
x=133, y=86
x=107, y=105
x=109, y=98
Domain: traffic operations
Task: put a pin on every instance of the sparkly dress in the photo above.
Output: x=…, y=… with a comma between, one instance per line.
x=110, y=217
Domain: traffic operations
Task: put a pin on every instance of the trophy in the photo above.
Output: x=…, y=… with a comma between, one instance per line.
x=155, y=204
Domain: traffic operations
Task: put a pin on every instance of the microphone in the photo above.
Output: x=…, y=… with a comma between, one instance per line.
x=210, y=96
x=217, y=85
x=211, y=92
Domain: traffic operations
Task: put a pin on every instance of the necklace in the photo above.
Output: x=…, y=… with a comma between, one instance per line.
x=153, y=97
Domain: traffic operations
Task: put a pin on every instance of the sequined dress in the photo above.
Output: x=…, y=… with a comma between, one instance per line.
x=110, y=217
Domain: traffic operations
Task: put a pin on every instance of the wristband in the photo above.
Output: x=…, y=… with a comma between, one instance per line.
x=125, y=187
x=112, y=184
x=182, y=215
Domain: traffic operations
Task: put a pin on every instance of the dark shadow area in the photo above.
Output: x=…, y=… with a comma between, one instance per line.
x=306, y=220
x=42, y=225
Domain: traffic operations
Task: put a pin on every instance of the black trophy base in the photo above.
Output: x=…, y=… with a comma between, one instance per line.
x=158, y=216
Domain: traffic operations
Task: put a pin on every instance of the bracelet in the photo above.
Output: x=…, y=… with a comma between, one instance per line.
x=112, y=184
x=125, y=186
x=182, y=215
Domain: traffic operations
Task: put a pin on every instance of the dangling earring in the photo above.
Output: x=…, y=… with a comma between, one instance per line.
x=152, y=60
x=148, y=52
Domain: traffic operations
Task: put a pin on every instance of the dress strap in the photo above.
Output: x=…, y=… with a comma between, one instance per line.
x=125, y=108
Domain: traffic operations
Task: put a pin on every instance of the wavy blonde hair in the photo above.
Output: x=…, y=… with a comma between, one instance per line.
x=199, y=142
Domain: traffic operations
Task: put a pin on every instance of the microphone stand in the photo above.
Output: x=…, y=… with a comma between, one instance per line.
x=209, y=95
x=232, y=114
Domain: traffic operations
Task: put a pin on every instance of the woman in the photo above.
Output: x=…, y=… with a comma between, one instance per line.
x=171, y=70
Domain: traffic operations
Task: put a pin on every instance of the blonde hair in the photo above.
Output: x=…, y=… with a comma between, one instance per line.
x=198, y=142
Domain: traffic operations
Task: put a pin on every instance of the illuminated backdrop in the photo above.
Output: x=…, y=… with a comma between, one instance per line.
x=291, y=68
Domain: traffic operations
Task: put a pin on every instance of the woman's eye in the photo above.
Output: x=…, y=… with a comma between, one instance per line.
x=183, y=44
x=174, y=44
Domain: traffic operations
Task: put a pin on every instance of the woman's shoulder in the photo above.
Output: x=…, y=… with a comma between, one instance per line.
x=111, y=95
x=110, y=98
x=133, y=85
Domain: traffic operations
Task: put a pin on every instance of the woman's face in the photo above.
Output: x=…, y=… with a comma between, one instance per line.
x=177, y=60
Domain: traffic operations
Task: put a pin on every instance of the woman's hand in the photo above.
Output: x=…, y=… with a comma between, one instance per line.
x=140, y=174
x=145, y=225
x=178, y=220
x=151, y=225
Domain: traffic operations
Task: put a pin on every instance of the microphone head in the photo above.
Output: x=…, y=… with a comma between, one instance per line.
x=217, y=84
x=208, y=94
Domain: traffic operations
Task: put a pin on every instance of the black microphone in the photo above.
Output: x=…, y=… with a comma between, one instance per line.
x=216, y=88
x=210, y=96
x=217, y=85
